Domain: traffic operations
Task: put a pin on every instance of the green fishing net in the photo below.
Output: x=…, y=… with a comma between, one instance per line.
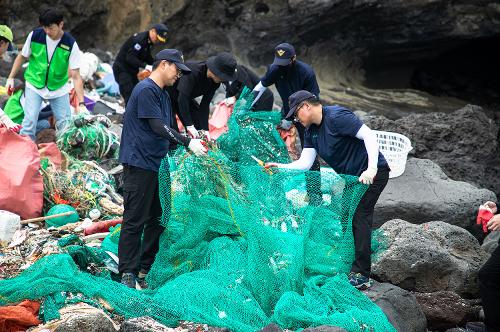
x=243, y=246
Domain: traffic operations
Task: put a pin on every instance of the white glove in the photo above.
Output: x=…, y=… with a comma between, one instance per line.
x=9, y=85
x=367, y=176
x=285, y=124
x=196, y=145
x=207, y=135
x=7, y=122
x=192, y=131
x=82, y=109
x=229, y=101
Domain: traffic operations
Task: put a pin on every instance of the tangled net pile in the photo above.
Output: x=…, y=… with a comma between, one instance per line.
x=84, y=185
x=242, y=247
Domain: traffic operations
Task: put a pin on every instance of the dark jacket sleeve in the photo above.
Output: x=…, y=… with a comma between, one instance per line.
x=160, y=128
x=184, y=102
x=133, y=55
x=311, y=84
x=205, y=109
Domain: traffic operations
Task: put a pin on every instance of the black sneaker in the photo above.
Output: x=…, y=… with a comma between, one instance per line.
x=128, y=279
x=359, y=281
x=141, y=280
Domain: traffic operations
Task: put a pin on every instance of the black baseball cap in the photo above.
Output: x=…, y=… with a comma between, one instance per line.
x=223, y=65
x=174, y=56
x=283, y=53
x=161, y=31
x=296, y=99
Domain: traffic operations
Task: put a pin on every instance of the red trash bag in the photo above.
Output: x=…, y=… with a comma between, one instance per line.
x=52, y=152
x=217, y=124
x=21, y=184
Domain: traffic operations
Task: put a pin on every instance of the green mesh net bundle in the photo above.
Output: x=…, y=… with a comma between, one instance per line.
x=87, y=137
x=242, y=247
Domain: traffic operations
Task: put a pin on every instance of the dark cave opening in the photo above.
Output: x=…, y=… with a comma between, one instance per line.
x=467, y=70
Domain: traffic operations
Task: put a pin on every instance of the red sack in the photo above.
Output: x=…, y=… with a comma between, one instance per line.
x=21, y=184
x=52, y=152
x=217, y=124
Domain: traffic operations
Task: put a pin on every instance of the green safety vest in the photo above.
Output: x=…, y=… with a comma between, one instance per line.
x=41, y=72
x=13, y=107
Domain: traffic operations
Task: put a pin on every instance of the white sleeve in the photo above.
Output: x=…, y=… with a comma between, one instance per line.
x=260, y=89
x=26, y=51
x=370, y=139
x=305, y=161
x=75, y=57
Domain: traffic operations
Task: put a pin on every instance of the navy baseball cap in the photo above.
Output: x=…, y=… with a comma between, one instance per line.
x=296, y=99
x=161, y=31
x=174, y=56
x=283, y=53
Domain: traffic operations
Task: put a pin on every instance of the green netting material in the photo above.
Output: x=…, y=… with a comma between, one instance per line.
x=242, y=247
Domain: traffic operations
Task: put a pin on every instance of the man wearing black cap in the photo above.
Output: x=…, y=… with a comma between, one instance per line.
x=349, y=147
x=204, y=80
x=146, y=138
x=291, y=75
x=247, y=78
x=134, y=54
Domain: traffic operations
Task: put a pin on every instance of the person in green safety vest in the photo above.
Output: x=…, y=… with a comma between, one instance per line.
x=52, y=54
x=6, y=37
x=15, y=105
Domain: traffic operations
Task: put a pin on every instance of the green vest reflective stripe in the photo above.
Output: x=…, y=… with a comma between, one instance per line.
x=41, y=72
x=13, y=107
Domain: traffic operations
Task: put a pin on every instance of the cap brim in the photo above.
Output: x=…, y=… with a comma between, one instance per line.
x=183, y=67
x=281, y=61
x=291, y=113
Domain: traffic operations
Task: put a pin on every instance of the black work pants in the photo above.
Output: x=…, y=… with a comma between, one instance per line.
x=362, y=223
x=141, y=215
x=489, y=284
x=313, y=180
x=126, y=81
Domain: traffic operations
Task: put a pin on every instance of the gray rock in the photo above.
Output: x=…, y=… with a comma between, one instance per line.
x=79, y=318
x=143, y=324
x=463, y=143
x=431, y=257
x=446, y=309
x=351, y=53
x=424, y=193
x=271, y=328
x=490, y=243
x=399, y=305
x=324, y=328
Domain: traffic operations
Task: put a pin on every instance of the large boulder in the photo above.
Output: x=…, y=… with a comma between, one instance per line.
x=464, y=143
x=445, y=309
x=356, y=47
x=490, y=243
x=424, y=193
x=399, y=305
x=431, y=257
x=82, y=317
